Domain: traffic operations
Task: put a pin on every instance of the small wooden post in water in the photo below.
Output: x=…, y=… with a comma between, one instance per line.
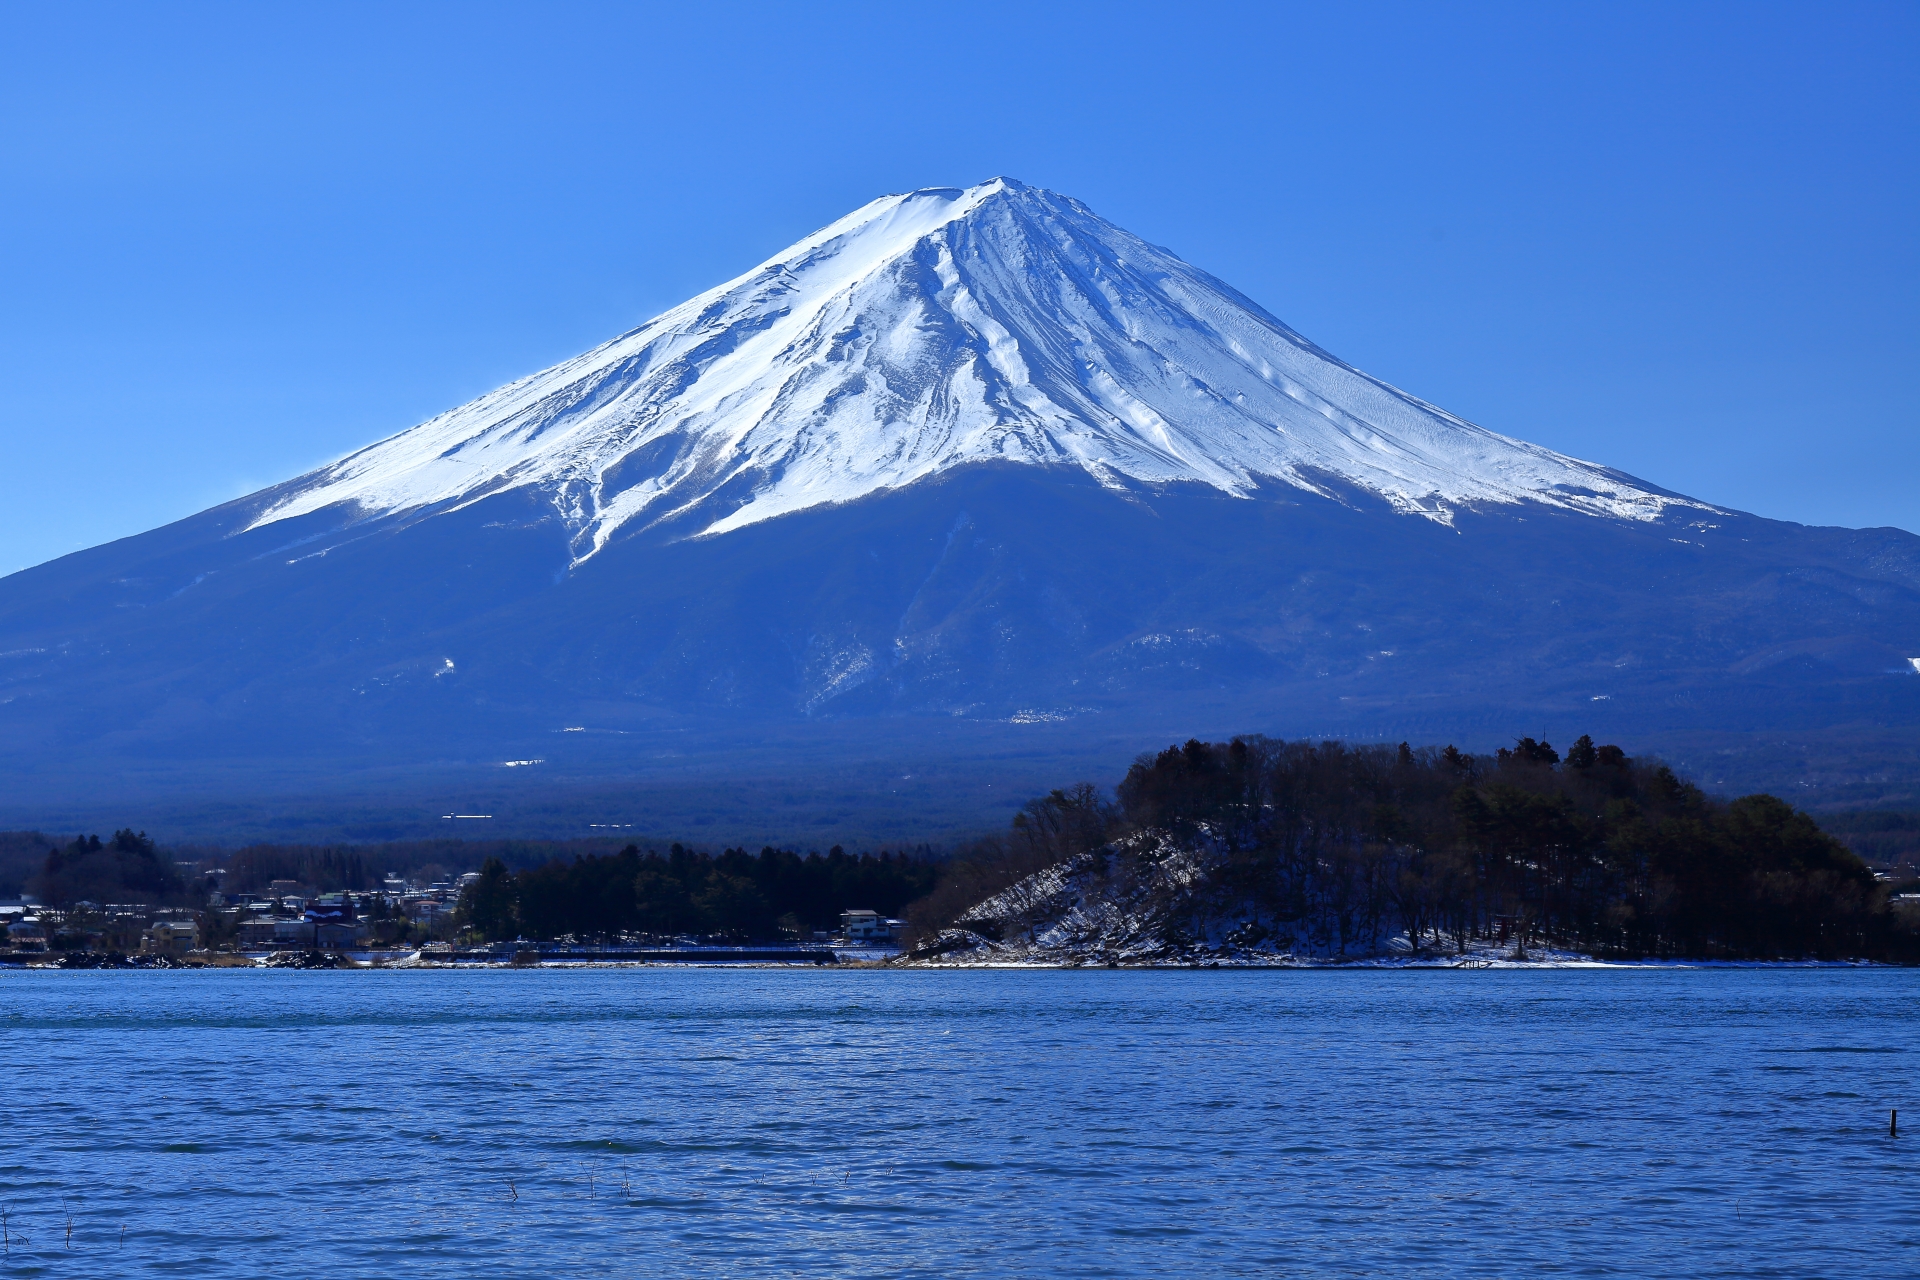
x=1893, y=1123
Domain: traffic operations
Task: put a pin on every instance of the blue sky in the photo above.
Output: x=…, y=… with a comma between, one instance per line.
x=242, y=240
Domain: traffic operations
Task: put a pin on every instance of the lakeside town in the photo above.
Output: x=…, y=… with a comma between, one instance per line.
x=401, y=922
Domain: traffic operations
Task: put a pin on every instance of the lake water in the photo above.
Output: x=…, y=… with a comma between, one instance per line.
x=1032, y=1123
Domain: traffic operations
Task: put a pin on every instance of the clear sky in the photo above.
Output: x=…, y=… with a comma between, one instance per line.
x=240, y=240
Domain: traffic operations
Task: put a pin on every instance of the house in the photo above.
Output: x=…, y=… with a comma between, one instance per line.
x=335, y=922
x=330, y=908
x=868, y=926
x=254, y=931
x=337, y=935
x=27, y=934
x=123, y=927
x=173, y=937
x=269, y=931
x=426, y=910
x=292, y=933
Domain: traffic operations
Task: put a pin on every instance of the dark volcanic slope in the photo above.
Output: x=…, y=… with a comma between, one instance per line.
x=993, y=594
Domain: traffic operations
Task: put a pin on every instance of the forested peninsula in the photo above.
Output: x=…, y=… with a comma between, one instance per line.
x=1257, y=849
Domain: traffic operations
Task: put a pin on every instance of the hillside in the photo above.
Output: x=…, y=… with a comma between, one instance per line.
x=1257, y=851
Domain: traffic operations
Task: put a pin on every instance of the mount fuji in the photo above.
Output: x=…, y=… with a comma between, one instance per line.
x=966, y=474
x=931, y=331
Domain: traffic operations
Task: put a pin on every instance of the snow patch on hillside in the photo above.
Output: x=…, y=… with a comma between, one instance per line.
x=1150, y=899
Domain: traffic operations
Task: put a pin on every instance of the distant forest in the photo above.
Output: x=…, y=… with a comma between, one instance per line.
x=1348, y=846
x=1885, y=836
x=130, y=867
x=735, y=895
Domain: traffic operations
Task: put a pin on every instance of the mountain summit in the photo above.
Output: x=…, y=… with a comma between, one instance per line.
x=970, y=480
x=928, y=331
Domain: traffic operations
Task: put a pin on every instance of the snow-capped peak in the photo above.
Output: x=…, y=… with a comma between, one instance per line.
x=931, y=330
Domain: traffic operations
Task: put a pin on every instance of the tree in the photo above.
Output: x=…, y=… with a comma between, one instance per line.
x=129, y=868
x=1531, y=752
x=734, y=906
x=662, y=903
x=488, y=906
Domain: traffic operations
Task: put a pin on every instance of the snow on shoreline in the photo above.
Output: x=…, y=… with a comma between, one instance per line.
x=1153, y=901
x=991, y=956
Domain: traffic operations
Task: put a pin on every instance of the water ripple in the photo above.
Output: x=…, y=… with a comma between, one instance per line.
x=744, y=1123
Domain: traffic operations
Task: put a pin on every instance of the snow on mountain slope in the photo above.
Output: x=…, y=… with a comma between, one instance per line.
x=934, y=329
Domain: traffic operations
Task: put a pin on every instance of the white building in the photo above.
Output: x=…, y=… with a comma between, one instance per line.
x=868, y=926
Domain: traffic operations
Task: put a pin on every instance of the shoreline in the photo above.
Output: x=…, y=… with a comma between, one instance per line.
x=414, y=964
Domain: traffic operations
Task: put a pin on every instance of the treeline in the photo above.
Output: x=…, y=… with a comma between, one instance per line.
x=23, y=855
x=333, y=867
x=128, y=868
x=328, y=868
x=734, y=894
x=1346, y=847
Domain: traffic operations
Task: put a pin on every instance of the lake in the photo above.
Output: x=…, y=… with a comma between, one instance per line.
x=697, y=1122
